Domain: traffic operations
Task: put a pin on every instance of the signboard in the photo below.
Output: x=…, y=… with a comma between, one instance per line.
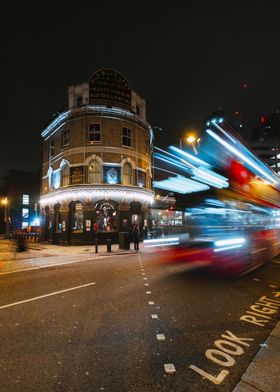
x=109, y=85
x=111, y=174
x=77, y=175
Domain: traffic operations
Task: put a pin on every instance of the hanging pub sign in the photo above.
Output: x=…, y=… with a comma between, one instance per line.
x=111, y=174
x=77, y=175
x=109, y=85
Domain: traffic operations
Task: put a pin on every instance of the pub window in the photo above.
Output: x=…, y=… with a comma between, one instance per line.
x=65, y=137
x=58, y=219
x=127, y=174
x=94, y=132
x=94, y=173
x=65, y=171
x=106, y=217
x=126, y=136
x=78, y=218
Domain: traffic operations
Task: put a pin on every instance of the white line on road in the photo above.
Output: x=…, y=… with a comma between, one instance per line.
x=46, y=295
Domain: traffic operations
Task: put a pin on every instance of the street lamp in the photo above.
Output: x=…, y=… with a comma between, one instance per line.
x=190, y=139
x=4, y=202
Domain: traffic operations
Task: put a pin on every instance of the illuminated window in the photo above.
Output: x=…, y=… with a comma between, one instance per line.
x=25, y=213
x=94, y=132
x=24, y=225
x=65, y=137
x=127, y=174
x=106, y=216
x=94, y=173
x=126, y=136
x=78, y=218
x=25, y=200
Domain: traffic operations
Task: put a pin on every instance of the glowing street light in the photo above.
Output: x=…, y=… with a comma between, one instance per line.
x=190, y=139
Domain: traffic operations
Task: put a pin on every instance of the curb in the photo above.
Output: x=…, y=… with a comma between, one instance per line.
x=263, y=373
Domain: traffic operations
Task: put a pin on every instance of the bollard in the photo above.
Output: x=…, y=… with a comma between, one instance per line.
x=96, y=245
x=109, y=245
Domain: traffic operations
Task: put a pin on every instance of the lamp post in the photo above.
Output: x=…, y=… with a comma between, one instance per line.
x=190, y=139
x=4, y=202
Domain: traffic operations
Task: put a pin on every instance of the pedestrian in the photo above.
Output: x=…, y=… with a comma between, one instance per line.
x=135, y=236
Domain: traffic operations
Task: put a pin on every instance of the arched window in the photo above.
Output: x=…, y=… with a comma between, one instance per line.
x=65, y=172
x=127, y=174
x=94, y=173
x=50, y=178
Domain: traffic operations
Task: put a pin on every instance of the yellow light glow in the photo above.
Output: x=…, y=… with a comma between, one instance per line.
x=191, y=139
x=4, y=201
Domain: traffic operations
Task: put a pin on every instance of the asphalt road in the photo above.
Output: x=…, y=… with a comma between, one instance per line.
x=112, y=324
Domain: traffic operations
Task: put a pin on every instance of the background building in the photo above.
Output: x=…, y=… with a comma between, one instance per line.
x=96, y=175
x=266, y=140
x=20, y=202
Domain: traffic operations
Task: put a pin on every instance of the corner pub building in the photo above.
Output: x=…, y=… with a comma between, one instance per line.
x=96, y=175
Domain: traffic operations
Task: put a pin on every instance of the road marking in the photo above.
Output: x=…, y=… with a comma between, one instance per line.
x=46, y=295
x=263, y=309
x=154, y=316
x=151, y=303
x=160, y=336
x=222, y=356
x=144, y=278
x=146, y=284
x=169, y=368
x=148, y=292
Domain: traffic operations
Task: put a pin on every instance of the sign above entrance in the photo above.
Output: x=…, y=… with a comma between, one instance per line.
x=77, y=175
x=109, y=85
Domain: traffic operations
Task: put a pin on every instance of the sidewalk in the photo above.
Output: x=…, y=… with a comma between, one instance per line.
x=44, y=255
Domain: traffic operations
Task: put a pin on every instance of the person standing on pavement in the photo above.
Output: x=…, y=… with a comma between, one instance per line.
x=136, y=236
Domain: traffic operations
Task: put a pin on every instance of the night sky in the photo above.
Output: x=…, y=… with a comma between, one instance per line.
x=185, y=58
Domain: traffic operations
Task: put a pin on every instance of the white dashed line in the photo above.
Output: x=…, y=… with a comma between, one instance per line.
x=148, y=292
x=160, y=336
x=146, y=284
x=151, y=303
x=169, y=368
x=154, y=316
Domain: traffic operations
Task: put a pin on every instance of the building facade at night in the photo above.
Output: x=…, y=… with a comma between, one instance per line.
x=96, y=174
x=266, y=140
